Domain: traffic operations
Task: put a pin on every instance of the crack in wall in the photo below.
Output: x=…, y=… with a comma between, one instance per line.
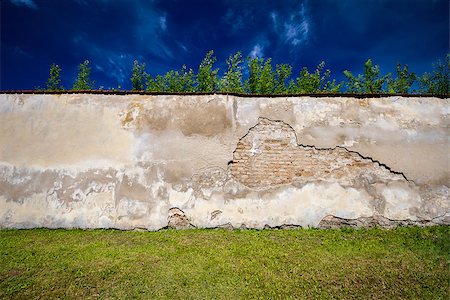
x=269, y=155
x=363, y=157
x=173, y=169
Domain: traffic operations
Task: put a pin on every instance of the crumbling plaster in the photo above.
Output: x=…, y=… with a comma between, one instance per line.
x=151, y=161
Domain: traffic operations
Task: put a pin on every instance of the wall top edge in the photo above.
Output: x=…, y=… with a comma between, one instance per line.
x=124, y=93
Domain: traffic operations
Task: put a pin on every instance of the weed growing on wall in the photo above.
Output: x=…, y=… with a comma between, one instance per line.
x=207, y=76
x=369, y=82
x=83, y=81
x=54, y=81
x=403, y=82
x=282, y=74
x=232, y=80
x=261, y=77
x=316, y=82
x=438, y=81
x=138, y=77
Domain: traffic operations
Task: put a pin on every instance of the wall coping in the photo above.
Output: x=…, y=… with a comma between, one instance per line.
x=318, y=95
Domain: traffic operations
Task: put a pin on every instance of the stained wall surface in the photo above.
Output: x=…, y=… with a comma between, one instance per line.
x=152, y=161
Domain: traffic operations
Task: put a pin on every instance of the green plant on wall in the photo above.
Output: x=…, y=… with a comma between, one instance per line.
x=318, y=81
x=308, y=82
x=187, y=79
x=232, y=79
x=207, y=77
x=261, y=78
x=403, y=82
x=282, y=74
x=254, y=69
x=138, y=76
x=369, y=82
x=267, y=78
x=173, y=81
x=179, y=81
x=54, y=81
x=156, y=84
x=438, y=81
x=83, y=81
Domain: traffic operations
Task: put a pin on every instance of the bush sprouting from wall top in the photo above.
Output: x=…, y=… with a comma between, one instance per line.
x=263, y=78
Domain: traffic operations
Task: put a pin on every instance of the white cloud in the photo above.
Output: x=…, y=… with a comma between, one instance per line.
x=112, y=63
x=150, y=27
x=27, y=3
x=99, y=68
x=274, y=17
x=257, y=51
x=162, y=23
x=117, y=65
x=296, y=33
x=296, y=30
x=182, y=46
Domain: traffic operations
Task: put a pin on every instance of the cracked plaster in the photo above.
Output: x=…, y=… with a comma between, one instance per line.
x=148, y=162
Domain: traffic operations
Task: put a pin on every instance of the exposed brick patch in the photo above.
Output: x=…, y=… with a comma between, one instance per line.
x=269, y=155
x=177, y=219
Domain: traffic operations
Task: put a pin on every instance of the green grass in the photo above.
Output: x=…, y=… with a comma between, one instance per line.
x=408, y=263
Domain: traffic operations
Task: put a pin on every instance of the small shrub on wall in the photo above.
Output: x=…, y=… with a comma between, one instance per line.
x=262, y=78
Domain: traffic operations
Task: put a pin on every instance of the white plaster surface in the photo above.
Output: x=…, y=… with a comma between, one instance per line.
x=122, y=161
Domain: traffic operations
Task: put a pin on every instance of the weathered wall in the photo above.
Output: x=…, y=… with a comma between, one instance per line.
x=138, y=161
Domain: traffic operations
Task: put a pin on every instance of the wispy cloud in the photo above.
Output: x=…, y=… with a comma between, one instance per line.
x=27, y=3
x=150, y=32
x=150, y=43
x=274, y=18
x=114, y=64
x=296, y=30
x=118, y=65
x=296, y=33
x=182, y=46
x=257, y=51
x=162, y=23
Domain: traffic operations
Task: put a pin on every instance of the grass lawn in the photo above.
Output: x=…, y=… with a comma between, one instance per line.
x=409, y=263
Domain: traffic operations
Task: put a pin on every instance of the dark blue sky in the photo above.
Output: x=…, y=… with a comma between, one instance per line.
x=166, y=34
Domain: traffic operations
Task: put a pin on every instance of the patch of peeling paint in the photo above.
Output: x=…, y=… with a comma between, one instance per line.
x=152, y=162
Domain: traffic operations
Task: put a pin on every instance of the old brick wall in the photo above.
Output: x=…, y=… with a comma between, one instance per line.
x=185, y=161
x=269, y=155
